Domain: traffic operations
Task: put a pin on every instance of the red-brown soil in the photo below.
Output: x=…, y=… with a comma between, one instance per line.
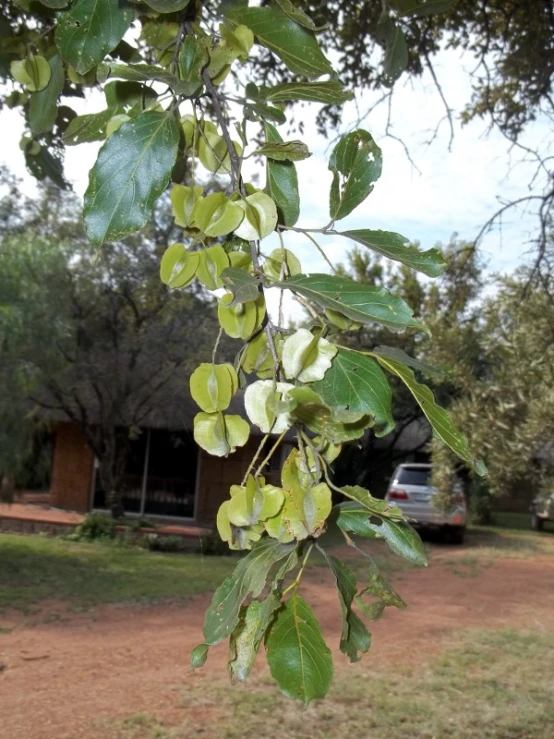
x=64, y=680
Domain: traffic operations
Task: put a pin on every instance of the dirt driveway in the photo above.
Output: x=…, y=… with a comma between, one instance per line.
x=72, y=679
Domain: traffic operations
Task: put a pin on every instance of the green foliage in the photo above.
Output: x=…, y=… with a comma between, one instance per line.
x=168, y=120
x=503, y=403
x=90, y=29
x=95, y=526
x=356, y=164
x=397, y=247
x=132, y=170
x=299, y=660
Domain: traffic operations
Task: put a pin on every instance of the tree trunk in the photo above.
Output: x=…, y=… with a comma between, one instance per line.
x=111, y=468
x=7, y=488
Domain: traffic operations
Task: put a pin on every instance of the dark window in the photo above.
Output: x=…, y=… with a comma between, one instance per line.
x=171, y=474
x=131, y=485
x=413, y=476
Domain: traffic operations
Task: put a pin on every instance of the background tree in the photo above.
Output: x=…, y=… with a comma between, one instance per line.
x=450, y=307
x=504, y=407
x=90, y=336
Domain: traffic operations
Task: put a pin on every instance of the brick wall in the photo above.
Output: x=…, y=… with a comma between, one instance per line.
x=217, y=474
x=71, y=470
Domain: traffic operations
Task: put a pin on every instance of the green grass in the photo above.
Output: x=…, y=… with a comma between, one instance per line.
x=519, y=522
x=36, y=568
x=492, y=685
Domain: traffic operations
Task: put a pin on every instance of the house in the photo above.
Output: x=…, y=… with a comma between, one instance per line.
x=167, y=475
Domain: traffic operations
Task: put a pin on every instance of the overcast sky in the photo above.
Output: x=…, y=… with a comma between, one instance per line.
x=454, y=191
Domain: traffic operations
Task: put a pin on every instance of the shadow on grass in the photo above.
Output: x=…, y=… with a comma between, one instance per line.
x=35, y=569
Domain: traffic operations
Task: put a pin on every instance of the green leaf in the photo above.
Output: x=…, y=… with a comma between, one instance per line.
x=178, y=266
x=373, y=505
x=296, y=46
x=90, y=29
x=167, y=6
x=378, y=587
x=402, y=539
x=421, y=8
x=243, y=286
x=392, y=352
x=288, y=151
x=145, y=73
x=296, y=14
x=328, y=93
x=282, y=183
x=299, y=660
x=128, y=97
x=254, y=111
x=54, y=4
x=43, y=105
x=362, y=303
x=356, y=163
x=246, y=638
x=199, y=655
x=44, y=164
x=353, y=518
x=193, y=56
x=86, y=128
x=438, y=417
x=397, y=247
x=357, y=383
x=355, y=637
x=396, y=49
x=116, y=122
x=249, y=577
x=335, y=426
x=132, y=170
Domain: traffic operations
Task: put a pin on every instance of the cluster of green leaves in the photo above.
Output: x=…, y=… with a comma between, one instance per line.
x=167, y=120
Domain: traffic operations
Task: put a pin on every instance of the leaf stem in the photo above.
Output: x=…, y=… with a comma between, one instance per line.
x=216, y=345
x=296, y=582
x=271, y=452
x=233, y=156
x=320, y=250
x=254, y=459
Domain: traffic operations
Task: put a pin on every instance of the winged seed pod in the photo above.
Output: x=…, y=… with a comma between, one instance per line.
x=212, y=386
x=307, y=357
x=267, y=406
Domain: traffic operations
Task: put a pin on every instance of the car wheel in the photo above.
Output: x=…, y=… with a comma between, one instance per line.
x=536, y=522
x=457, y=536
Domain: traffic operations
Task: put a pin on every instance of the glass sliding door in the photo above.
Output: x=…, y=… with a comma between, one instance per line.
x=171, y=478
x=131, y=484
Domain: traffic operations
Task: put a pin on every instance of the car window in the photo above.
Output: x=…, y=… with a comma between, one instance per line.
x=413, y=476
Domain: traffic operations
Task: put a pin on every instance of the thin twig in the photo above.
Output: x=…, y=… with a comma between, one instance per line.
x=442, y=97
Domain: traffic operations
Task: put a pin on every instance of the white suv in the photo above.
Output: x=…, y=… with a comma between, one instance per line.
x=410, y=489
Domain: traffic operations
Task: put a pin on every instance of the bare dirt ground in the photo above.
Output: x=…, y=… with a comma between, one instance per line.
x=72, y=679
